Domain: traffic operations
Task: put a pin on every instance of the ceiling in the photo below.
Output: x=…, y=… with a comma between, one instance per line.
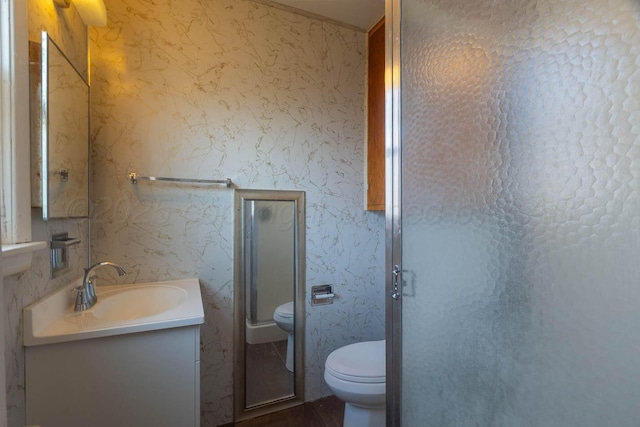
x=362, y=14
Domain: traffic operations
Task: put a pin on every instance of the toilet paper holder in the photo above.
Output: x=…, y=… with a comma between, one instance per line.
x=322, y=294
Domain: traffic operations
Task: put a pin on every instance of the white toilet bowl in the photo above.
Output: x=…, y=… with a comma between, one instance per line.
x=356, y=373
x=283, y=316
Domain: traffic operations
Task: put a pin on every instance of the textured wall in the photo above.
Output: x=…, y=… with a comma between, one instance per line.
x=231, y=88
x=68, y=31
x=65, y=27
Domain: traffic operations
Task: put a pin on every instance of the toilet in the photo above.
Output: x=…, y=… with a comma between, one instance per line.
x=356, y=374
x=283, y=316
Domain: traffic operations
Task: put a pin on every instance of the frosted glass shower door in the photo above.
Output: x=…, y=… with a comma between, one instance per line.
x=520, y=213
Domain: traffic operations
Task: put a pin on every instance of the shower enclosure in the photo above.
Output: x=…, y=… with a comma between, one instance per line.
x=513, y=213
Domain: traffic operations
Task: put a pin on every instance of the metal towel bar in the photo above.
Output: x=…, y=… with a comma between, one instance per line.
x=134, y=180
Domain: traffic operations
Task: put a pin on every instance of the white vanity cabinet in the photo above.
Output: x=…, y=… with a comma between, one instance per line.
x=140, y=379
x=131, y=360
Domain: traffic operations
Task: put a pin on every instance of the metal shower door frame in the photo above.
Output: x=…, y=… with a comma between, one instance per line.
x=393, y=229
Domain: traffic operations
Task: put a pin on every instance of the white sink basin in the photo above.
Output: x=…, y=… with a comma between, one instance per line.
x=137, y=302
x=120, y=309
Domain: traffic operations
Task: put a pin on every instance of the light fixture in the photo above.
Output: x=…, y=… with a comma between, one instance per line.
x=92, y=12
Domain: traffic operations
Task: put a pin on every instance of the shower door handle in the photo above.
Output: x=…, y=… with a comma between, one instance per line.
x=396, y=276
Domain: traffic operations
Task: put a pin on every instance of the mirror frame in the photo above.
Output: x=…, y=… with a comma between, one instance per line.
x=241, y=412
x=44, y=127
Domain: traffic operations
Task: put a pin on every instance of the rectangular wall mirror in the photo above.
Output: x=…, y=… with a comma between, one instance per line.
x=269, y=300
x=60, y=133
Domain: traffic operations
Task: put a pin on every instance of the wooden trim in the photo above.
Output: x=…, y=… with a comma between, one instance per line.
x=376, y=119
x=375, y=27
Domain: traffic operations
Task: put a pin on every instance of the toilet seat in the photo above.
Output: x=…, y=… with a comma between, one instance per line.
x=362, y=362
x=356, y=375
x=285, y=310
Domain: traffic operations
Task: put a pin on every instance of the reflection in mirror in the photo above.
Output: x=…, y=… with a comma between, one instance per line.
x=269, y=284
x=60, y=114
x=269, y=292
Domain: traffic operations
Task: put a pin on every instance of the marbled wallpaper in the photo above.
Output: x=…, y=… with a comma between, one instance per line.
x=268, y=98
x=69, y=32
x=65, y=27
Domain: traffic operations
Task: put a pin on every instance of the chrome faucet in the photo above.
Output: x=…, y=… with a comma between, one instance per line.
x=86, y=297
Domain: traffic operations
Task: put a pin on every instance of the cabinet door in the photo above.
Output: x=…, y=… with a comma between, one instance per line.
x=375, y=119
x=141, y=379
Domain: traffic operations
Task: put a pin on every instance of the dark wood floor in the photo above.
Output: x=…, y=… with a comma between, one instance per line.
x=326, y=412
x=267, y=377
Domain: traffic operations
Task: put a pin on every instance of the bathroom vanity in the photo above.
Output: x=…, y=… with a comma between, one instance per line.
x=133, y=362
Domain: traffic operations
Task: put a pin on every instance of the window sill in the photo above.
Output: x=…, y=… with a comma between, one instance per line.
x=17, y=258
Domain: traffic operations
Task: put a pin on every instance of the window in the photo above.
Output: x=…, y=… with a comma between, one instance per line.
x=15, y=184
x=4, y=122
x=15, y=206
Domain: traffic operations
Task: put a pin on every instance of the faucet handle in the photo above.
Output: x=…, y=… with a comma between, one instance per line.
x=81, y=300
